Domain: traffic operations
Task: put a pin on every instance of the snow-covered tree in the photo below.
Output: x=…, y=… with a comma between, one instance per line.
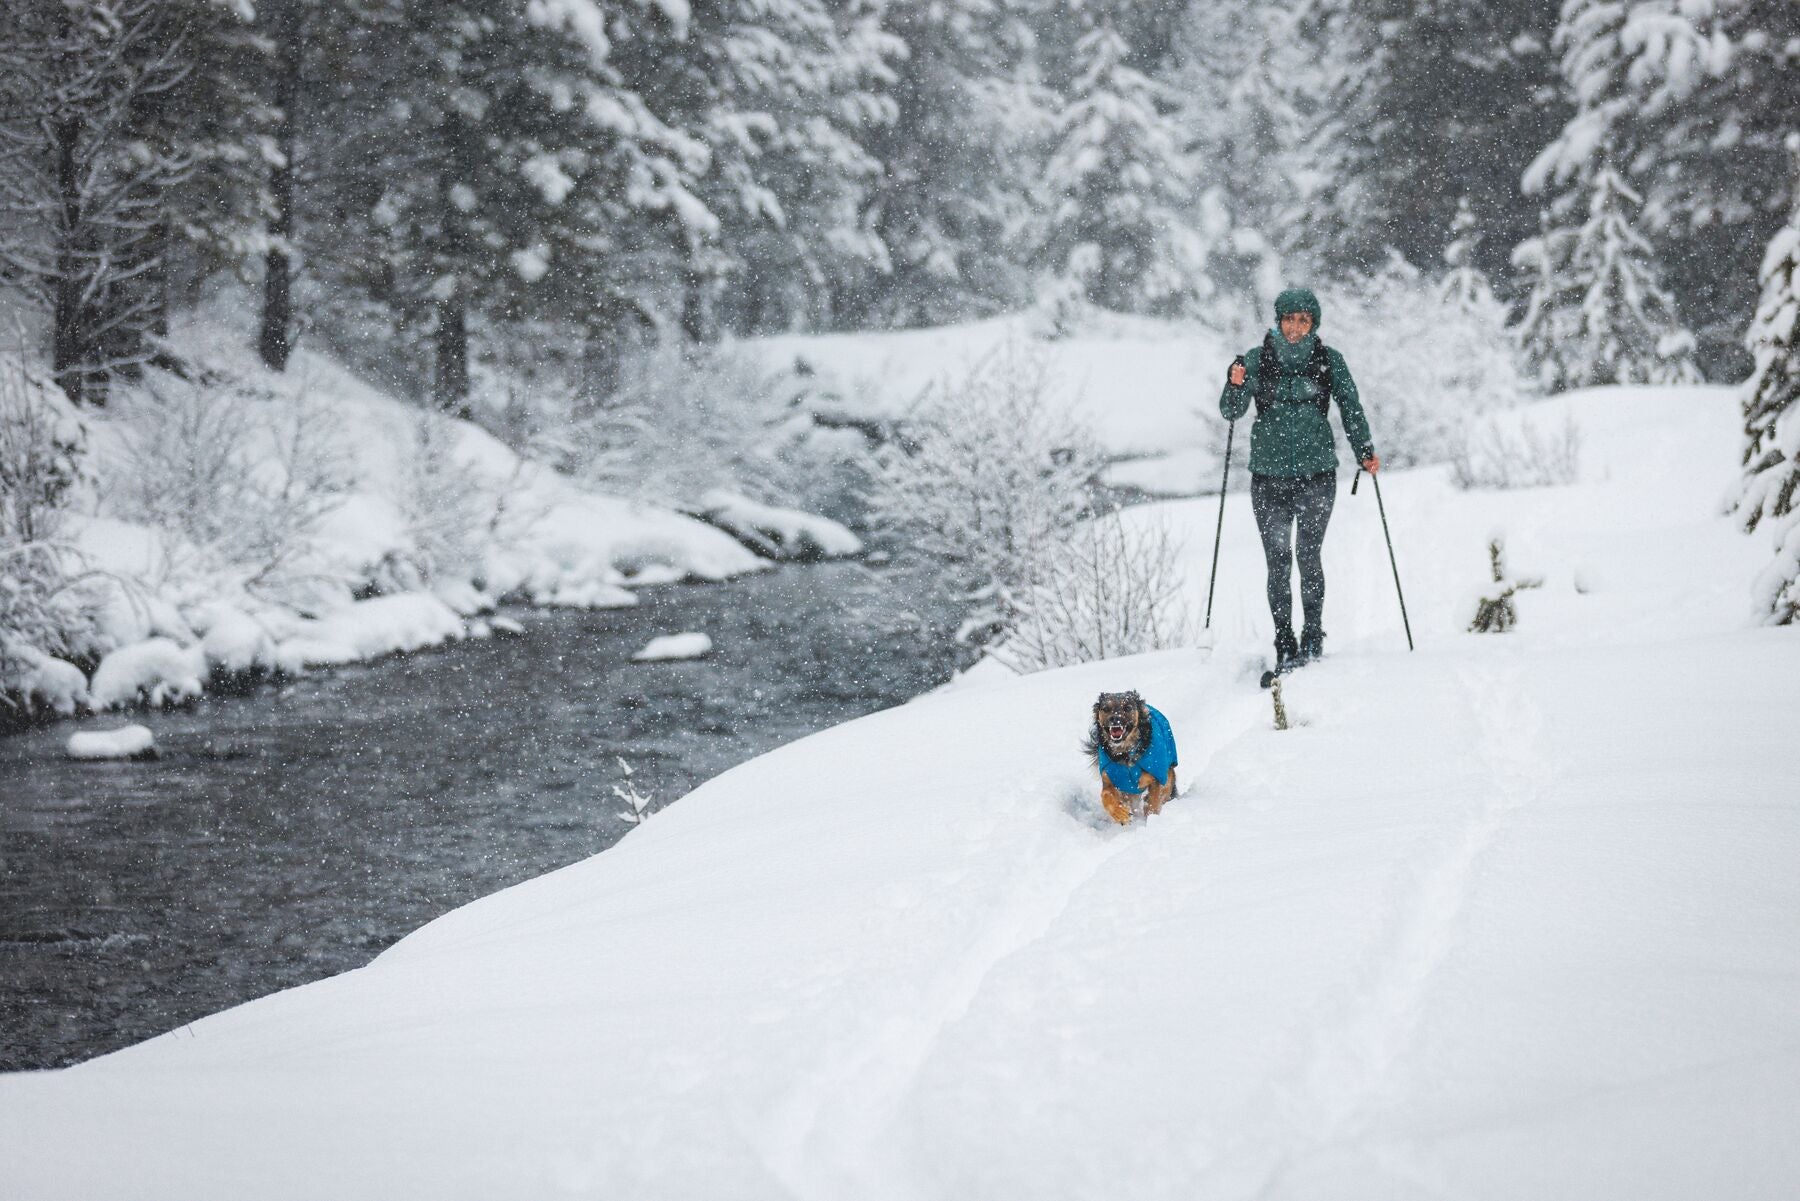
x=1119, y=184
x=1771, y=491
x=1598, y=311
x=785, y=97
x=956, y=160
x=105, y=114
x=1461, y=96
x=497, y=161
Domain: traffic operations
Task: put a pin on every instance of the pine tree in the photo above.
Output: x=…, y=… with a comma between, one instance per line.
x=784, y=96
x=1463, y=95
x=497, y=164
x=1118, y=184
x=956, y=158
x=1718, y=87
x=106, y=114
x=1771, y=488
x=1597, y=312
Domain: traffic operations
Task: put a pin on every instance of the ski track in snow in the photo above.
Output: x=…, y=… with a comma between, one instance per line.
x=825, y=1138
x=1343, y=1088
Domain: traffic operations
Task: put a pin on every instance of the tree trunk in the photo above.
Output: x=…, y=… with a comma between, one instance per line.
x=696, y=309
x=277, y=315
x=451, y=389
x=68, y=340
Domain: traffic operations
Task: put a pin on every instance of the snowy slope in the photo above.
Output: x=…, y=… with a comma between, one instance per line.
x=1513, y=916
x=1139, y=384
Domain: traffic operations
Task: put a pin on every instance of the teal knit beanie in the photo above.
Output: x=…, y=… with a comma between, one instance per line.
x=1299, y=300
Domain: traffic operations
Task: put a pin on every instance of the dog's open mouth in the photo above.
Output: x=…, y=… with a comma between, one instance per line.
x=1115, y=733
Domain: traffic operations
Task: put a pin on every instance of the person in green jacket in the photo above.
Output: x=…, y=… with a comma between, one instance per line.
x=1292, y=378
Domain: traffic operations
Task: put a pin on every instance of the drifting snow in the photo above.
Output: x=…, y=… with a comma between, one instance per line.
x=127, y=742
x=1512, y=916
x=674, y=646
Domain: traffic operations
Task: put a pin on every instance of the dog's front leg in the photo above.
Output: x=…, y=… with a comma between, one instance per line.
x=1157, y=795
x=1114, y=801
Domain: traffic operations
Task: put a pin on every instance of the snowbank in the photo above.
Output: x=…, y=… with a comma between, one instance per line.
x=1511, y=916
x=155, y=672
x=416, y=504
x=47, y=685
x=370, y=629
x=778, y=533
x=674, y=646
x=127, y=742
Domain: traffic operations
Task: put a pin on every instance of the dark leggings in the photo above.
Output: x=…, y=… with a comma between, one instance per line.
x=1283, y=504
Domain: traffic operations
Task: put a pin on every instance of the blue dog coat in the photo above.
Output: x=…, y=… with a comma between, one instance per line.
x=1158, y=758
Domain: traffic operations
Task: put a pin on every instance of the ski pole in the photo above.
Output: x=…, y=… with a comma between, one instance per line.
x=1219, y=532
x=1392, y=562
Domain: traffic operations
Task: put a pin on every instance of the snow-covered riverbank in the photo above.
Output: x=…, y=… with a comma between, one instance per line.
x=1511, y=916
x=257, y=524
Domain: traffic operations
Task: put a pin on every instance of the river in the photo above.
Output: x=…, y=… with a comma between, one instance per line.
x=297, y=832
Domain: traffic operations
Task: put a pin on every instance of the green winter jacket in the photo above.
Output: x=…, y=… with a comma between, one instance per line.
x=1293, y=438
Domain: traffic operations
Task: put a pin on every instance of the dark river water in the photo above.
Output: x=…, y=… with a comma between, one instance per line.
x=295, y=833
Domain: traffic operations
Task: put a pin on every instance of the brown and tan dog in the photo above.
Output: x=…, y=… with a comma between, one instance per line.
x=1134, y=748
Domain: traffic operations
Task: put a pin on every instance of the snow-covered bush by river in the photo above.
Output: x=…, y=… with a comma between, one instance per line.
x=239, y=522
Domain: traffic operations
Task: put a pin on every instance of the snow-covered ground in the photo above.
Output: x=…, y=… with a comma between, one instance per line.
x=1511, y=916
x=1141, y=385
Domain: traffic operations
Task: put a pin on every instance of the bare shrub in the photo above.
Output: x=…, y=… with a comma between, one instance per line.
x=242, y=488
x=447, y=513
x=979, y=492
x=1425, y=368
x=1110, y=590
x=1513, y=451
x=684, y=421
x=984, y=495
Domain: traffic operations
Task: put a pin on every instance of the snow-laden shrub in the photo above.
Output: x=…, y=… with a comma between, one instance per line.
x=44, y=605
x=683, y=421
x=447, y=512
x=36, y=683
x=1426, y=365
x=1112, y=590
x=241, y=487
x=988, y=476
x=1519, y=449
x=983, y=498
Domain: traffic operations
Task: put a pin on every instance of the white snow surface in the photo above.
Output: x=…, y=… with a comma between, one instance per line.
x=690, y=645
x=1140, y=384
x=370, y=629
x=777, y=532
x=126, y=742
x=155, y=672
x=1511, y=916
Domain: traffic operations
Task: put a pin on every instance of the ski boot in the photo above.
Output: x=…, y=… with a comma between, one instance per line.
x=1287, y=657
